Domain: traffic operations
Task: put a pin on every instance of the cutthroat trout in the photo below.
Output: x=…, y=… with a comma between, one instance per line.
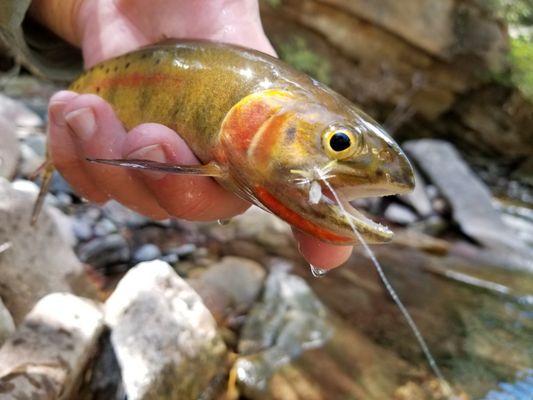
x=268, y=133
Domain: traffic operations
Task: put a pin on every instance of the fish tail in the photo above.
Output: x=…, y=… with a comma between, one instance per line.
x=45, y=171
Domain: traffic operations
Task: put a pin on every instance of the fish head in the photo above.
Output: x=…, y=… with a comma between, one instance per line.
x=327, y=154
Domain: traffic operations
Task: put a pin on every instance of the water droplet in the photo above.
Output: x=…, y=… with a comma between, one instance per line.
x=224, y=221
x=318, y=272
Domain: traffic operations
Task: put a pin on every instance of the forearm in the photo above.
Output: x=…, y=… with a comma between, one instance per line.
x=59, y=16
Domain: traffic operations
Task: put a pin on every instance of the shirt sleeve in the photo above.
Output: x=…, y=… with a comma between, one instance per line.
x=34, y=47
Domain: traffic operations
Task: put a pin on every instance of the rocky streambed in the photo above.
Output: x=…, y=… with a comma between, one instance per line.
x=102, y=303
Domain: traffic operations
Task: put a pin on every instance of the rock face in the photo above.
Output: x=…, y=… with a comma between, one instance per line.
x=46, y=356
x=422, y=67
x=165, y=339
x=38, y=260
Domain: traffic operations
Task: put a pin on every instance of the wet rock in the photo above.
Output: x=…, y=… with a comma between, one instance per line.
x=288, y=320
x=39, y=260
x=469, y=197
x=9, y=148
x=45, y=358
x=230, y=285
x=165, y=339
x=7, y=325
x=106, y=250
x=146, y=252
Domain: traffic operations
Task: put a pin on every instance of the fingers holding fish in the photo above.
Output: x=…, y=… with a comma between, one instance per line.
x=64, y=152
x=321, y=254
x=196, y=198
x=92, y=130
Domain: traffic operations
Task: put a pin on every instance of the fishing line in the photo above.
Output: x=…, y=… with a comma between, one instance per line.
x=448, y=392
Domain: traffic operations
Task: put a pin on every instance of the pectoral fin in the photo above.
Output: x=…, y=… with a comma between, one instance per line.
x=209, y=169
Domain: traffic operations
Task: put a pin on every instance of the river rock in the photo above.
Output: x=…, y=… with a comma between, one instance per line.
x=229, y=287
x=105, y=250
x=239, y=278
x=9, y=148
x=45, y=358
x=7, y=326
x=470, y=199
x=17, y=112
x=39, y=261
x=164, y=337
x=288, y=320
x=147, y=252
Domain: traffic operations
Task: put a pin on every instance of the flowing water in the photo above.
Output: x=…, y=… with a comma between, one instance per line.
x=446, y=388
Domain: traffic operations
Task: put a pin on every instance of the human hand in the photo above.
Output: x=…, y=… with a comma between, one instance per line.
x=84, y=126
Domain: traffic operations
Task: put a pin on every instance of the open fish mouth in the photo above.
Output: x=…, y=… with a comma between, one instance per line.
x=372, y=230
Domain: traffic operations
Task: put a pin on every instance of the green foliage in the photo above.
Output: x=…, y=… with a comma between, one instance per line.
x=297, y=53
x=522, y=64
x=515, y=12
x=519, y=16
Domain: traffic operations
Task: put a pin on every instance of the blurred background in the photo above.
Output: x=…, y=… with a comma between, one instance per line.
x=230, y=309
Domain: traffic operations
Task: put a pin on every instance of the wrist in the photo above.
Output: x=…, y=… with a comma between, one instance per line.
x=60, y=16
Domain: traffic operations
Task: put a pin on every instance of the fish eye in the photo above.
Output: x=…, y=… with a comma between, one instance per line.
x=340, y=143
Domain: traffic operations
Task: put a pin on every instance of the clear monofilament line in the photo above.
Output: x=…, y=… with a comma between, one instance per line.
x=412, y=325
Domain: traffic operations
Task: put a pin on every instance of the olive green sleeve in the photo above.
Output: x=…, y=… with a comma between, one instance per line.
x=33, y=46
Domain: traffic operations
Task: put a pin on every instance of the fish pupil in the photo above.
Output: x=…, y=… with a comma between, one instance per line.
x=340, y=141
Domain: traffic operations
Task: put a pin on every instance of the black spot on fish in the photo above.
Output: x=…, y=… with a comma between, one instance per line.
x=290, y=134
x=97, y=89
x=157, y=61
x=115, y=69
x=127, y=65
x=143, y=56
x=107, y=70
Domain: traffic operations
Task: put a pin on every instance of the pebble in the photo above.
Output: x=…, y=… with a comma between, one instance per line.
x=146, y=252
x=106, y=250
x=82, y=229
x=104, y=227
x=182, y=251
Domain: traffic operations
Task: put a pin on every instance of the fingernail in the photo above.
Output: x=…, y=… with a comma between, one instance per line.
x=55, y=112
x=82, y=123
x=153, y=152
